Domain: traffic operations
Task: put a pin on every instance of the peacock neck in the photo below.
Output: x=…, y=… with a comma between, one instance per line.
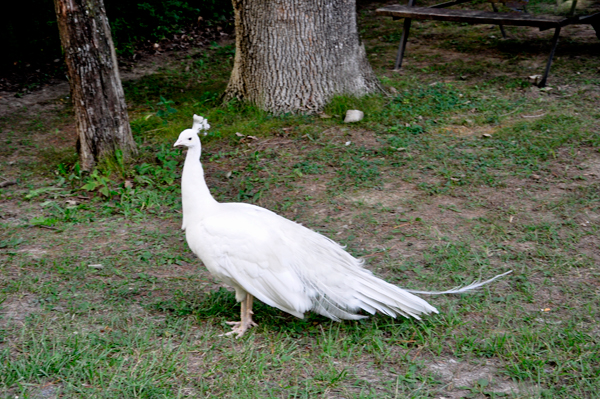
x=195, y=195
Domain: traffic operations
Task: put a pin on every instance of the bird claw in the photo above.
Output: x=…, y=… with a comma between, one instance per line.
x=239, y=327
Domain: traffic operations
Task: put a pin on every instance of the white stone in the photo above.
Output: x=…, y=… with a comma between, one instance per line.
x=353, y=115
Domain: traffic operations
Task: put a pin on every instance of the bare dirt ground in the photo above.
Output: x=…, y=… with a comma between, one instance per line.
x=48, y=97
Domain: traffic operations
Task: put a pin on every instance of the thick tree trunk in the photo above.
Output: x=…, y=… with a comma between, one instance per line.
x=295, y=55
x=98, y=98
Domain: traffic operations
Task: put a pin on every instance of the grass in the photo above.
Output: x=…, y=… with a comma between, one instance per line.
x=464, y=171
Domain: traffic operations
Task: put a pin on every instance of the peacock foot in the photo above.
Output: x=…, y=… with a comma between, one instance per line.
x=239, y=327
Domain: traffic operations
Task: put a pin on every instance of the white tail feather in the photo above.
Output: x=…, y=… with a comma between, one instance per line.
x=460, y=290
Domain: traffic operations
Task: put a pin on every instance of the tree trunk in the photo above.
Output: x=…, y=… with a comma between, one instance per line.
x=295, y=55
x=98, y=98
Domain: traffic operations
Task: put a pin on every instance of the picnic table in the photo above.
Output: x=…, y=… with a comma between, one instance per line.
x=439, y=12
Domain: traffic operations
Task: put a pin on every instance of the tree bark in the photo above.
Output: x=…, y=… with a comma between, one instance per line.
x=98, y=98
x=295, y=55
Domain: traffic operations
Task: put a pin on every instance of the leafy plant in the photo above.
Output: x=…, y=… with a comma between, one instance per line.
x=164, y=173
x=99, y=183
x=166, y=108
x=42, y=221
x=11, y=243
x=309, y=168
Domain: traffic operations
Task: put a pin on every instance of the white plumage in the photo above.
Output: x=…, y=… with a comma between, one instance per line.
x=282, y=263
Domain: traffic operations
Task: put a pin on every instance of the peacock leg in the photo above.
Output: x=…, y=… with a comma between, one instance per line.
x=249, y=312
x=240, y=327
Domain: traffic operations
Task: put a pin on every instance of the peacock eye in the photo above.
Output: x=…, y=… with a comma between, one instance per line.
x=189, y=138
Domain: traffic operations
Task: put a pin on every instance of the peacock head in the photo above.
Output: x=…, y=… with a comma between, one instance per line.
x=189, y=137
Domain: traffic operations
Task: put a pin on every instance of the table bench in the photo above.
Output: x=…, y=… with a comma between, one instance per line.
x=440, y=13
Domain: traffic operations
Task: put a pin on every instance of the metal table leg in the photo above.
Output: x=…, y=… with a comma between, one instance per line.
x=554, y=44
x=402, y=46
x=501, y=27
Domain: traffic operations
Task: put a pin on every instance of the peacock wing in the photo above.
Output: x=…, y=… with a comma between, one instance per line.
x=247, y=247
x=295, y=269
